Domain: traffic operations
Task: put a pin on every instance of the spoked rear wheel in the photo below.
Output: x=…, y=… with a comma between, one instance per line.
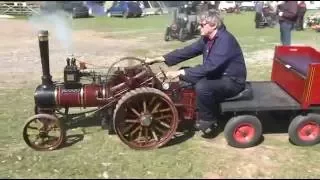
x=44, y=132
x=145, y=118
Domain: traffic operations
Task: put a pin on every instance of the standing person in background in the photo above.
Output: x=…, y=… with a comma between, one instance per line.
x=302, y=8
x=287, y=13
x=274, y=6
x=259, y=17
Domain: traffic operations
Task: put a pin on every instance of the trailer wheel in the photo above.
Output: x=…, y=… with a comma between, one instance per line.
x=243, y=131
x=305, y=130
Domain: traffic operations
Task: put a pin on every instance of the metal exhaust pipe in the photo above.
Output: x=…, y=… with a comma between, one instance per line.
x=44, y=54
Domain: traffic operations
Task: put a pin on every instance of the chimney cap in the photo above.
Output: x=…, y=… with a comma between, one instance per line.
x=43, y=33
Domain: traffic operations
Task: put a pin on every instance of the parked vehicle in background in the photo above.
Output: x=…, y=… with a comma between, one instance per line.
x=184, y=25
x=247, y=6
x=75, y=8
x=96, y=8
x=125, y=9
x=153, y=7
x=228, y=6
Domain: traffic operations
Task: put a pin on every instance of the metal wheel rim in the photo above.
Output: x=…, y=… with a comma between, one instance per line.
x=43, y=132
x=309, y=131
x=244, y=133
x=147, y=137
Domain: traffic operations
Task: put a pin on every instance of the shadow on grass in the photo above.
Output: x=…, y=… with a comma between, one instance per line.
x=83, y=122
x=272, y=122
x=184, y=132
x=276, y=122
x=79, y=122
x=72, y=139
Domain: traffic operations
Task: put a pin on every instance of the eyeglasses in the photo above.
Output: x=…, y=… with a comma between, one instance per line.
x=202, y=24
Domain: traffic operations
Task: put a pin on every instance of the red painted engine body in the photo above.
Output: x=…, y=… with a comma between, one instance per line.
x=87, y=96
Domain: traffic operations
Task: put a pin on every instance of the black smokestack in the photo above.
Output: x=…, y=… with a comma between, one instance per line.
x=44, y=54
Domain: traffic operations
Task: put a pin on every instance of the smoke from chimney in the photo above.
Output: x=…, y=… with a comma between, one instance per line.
x=58, y=23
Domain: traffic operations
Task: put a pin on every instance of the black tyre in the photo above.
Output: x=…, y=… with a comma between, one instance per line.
x=167, y=34
x=183, y=34
x=305, y=130
x=243, y=131
x=125, y=14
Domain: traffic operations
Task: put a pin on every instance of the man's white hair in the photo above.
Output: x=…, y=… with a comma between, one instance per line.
x=212, y=17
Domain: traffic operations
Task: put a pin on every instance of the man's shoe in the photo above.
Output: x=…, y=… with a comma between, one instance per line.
x=206, y=126
x=211, y=132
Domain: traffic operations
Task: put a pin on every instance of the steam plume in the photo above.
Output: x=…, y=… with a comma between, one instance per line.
x=59, y=25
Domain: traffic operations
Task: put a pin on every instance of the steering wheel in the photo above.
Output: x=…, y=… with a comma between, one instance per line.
x=126, y=59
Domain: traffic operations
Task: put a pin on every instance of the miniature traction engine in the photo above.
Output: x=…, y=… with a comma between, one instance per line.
x=142, y=115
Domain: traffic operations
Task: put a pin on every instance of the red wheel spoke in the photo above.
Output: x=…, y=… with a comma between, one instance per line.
x=154, y=135
x=162, y=110
x=140, y=133
x=156, y=107
x=146, y=133
x=163, y=117
x=165, y=124
x=132, y=121
x=135, y=130
x=160, y=130
x=152, y=100
x=135, y=111
x=144, y=106
x=127, y=128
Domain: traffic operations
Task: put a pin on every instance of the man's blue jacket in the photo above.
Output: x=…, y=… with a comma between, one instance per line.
x=223, y=58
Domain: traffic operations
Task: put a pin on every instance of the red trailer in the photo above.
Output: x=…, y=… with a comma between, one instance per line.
x=294, y=86
x=145, y=109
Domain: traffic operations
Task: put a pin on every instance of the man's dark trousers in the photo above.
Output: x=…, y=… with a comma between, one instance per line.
x=210, y=92
x=285, y=32
x=299, y=24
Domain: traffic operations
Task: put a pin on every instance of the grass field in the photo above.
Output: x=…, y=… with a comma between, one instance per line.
x=99, y=155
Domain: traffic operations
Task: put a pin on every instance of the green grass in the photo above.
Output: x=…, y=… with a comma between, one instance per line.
x=101, y=155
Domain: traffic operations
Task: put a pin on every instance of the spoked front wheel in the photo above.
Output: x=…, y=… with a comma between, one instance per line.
x=44, y=132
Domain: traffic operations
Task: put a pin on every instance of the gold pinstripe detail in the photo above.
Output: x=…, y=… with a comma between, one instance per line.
x=307, y=98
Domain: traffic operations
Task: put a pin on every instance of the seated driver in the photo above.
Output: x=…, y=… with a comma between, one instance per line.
x=221, y=75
